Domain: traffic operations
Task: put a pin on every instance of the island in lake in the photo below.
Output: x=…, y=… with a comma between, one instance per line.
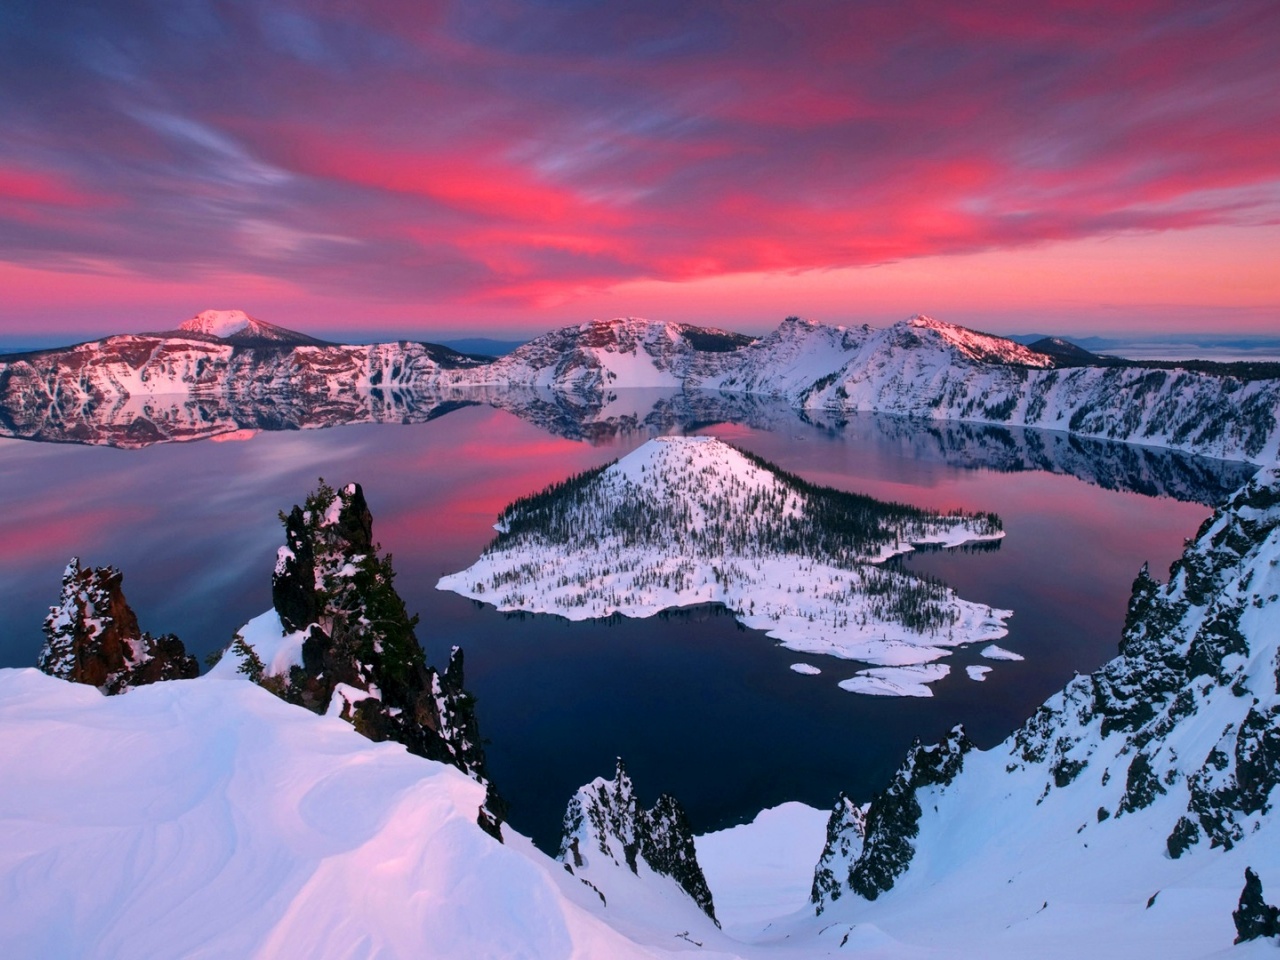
x=687, y=520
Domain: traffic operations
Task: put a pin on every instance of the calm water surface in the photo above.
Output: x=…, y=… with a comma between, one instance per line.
x=697, y=706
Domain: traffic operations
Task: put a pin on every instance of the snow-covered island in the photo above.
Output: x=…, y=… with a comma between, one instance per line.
x=686, y=520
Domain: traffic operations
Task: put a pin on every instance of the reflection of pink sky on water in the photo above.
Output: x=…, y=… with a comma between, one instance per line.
x=55, y=530
x=194, y=526
x=457, y=483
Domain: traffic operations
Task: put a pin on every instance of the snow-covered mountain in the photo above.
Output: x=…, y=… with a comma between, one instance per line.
x=624, y=353
x=686, y=520
x=920, y=368
x=801, y=356
x=924, y=368
x=236, y=326
x=215, y=355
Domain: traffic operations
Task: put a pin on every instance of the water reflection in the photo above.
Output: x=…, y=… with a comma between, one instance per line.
x=139, y=422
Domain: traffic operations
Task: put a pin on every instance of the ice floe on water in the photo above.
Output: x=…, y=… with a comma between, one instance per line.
x=908, y=681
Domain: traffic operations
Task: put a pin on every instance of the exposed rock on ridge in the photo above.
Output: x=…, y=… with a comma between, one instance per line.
x=883, y=835
x=605, y=820
x=360, y=656
x=1254, y=917
x=846, y=833
x=92, y=636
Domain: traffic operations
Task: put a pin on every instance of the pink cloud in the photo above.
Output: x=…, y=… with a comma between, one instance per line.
x=434, y=158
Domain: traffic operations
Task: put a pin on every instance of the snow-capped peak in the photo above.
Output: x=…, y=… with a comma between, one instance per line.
x=219, y=323
x=983, y=347
x=236, y=326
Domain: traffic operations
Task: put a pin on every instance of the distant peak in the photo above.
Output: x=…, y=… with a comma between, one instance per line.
x=983, y=347
x=617, y=322
x=924, y=320
x=238, y=327
x=218, y=323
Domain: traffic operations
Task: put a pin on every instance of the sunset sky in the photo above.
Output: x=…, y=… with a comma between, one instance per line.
x=422, y=168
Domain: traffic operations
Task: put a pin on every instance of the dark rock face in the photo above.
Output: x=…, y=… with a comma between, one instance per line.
x=893, y=818
x=1254, y=917
x=846, y=832
x=361, y=657
x=604, y=817
x=92, y=637
x=1234, y=784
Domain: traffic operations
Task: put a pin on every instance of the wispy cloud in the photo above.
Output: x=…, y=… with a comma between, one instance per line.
x=512, y=152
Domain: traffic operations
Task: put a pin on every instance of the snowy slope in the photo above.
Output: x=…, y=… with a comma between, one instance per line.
x=788, y=361
x=686, y=520
x=924, y=368
x=218, y=323
x=209, y=818
x=602, y=355
x=1130, y=805
x=763, y=870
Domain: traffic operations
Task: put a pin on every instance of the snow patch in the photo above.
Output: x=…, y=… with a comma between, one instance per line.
x=266, y=636
x=218, y=323
x=908, y=681
x=763, y=870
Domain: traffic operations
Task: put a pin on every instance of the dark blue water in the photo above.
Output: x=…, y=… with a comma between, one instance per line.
x=698, y=706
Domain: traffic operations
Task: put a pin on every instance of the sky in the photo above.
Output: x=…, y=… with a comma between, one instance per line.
x=492, y=167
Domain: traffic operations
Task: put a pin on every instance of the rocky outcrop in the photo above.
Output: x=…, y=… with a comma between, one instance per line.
x=1200, y=646
x=846, y=833
x=1254, y=917
x=92, y=636
x=605, y=821
x=890, y=824
x=361, y=658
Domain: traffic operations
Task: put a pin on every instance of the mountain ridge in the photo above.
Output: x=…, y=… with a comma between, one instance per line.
x=920, y=368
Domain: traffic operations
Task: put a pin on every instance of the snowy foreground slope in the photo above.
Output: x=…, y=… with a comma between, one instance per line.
x=209, y=818
x=685, y=520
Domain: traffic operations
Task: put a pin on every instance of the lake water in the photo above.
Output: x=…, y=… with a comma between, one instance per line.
x=697, y=706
